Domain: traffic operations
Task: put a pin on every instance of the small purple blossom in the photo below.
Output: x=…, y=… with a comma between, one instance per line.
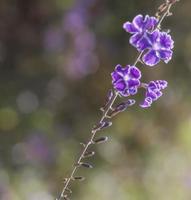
x=153, y=92
x=139, y=27
x=159, y=45
x=126, y=79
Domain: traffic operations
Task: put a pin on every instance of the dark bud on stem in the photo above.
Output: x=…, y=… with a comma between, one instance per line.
x=100, y=140
x=78, y=178
x=86, y=165
x=89, y=154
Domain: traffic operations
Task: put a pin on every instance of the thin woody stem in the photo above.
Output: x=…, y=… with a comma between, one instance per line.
x=104, y=116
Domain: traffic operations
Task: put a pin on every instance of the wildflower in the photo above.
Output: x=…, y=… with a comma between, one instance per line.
x=139, y=26
x=153, y=92
x=159, y=45
x=126, y=79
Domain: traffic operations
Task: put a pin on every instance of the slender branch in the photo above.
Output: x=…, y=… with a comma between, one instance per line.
x=91, y=140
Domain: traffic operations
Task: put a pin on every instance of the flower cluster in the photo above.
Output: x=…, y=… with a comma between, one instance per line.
x=146, y=36
x=154, y=45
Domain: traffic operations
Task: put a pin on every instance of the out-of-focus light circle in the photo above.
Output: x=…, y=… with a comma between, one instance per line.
x=27, y=102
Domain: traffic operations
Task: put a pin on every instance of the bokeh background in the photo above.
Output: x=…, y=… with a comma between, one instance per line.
x=56, y=57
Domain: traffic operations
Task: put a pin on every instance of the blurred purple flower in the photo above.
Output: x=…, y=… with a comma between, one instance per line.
x=153, y=92
x=139, y=27
x=159, y=45
x=81, y=58
x=126, y=79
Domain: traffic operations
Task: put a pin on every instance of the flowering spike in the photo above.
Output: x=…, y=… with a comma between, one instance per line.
x=153, y=45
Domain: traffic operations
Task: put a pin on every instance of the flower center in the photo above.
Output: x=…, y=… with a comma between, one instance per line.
x=156, y=46
x=126, y=77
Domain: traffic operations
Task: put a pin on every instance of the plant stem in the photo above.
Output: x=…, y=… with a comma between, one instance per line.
x=104, y=116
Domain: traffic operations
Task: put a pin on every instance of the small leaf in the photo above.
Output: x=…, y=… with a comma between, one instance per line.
x=101, y=140
x=89, y=154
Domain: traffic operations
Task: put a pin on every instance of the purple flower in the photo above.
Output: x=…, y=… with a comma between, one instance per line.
x=159, y=45
x=139, y=27
x=126, y=79
x=153, y=92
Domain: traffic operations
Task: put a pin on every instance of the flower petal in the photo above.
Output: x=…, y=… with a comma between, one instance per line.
x=125, y=93
x=143, y=43
x=134, y=72
x=159, y=94
x=151, y=23
x=152, y=85
x=129, y=27
x=133, y=91
x=120, y=85
x=134, y=39
x=153, y=36
x=146, y=103
x=115, y=76
x=152, y=95
x=118, y=68
x=166, y=40
x=133, y=83
x=138, y=22
x=150, y=58
x=165, y=55
x=163, y=84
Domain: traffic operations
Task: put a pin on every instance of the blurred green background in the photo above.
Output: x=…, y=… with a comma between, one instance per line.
x=56, y=57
